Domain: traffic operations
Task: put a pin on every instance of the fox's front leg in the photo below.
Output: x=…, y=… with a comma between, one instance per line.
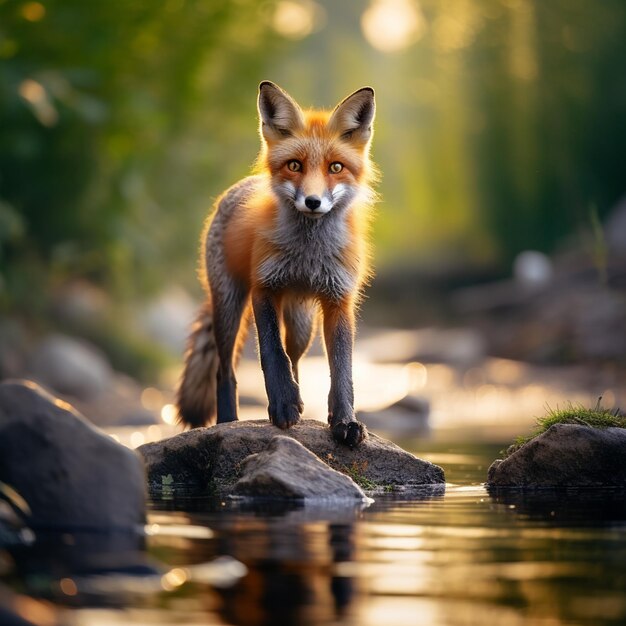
x=339, y=339
x=283, y=393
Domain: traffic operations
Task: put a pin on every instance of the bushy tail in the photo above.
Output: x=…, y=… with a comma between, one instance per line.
x=198, y=387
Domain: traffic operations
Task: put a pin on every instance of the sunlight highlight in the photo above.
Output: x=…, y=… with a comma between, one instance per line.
x=137, y=439
x=393, y=25
x=296, y=19
x=174, y=578
x=153, y=433
x=169, y=413
x=417, y=375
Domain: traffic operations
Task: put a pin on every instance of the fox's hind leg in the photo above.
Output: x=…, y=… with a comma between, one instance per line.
x=300, y=317
x=229, y=307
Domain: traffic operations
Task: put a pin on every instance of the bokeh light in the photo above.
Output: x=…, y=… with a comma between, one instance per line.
x=393, y=25
x=295, y=19
x=33, y=11
x=169, y=414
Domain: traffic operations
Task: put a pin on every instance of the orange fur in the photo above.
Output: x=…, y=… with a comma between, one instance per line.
x=247, y=237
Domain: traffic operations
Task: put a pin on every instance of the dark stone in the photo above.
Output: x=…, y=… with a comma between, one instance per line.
x=210, y=458
x=286, y=469
x=70, y=474
x=566, y=455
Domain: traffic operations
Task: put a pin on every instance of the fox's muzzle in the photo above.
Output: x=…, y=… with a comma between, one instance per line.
x=313, y=205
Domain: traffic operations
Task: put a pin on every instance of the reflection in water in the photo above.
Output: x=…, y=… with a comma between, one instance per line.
x=459, y=558
x=293, y=557
x=573, y=507
x=57, y=565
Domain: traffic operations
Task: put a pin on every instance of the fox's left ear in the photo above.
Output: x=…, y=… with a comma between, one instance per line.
x=353, y=117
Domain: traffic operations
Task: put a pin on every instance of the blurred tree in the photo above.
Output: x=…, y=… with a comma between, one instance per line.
x=113, y=128
x=551, y=87
x=500, y=124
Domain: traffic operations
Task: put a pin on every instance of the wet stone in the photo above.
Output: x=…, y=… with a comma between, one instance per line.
x=286, y=469
x=69, y=474
x=566, y=455
x=211, y=459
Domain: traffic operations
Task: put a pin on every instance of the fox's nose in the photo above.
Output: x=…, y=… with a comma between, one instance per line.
x=312, y=202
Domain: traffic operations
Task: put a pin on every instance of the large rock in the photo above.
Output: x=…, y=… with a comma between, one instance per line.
x=286, y=469
x=70, y=474
x=566, y=455
x=210, y=458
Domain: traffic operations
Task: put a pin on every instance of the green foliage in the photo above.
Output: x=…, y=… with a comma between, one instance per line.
x=597, y=417
x=119, y=124
x=113, y=132
x=122, y=120
x=496, y=129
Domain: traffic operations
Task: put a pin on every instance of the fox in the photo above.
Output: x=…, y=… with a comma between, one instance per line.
x=289, y=247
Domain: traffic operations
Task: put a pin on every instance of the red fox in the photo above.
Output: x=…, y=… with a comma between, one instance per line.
x=286, y=242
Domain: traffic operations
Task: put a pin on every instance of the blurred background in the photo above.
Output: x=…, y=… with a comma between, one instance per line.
x=500, y=240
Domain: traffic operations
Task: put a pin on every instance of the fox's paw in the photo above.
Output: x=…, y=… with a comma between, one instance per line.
x=349, y=434
x=285, y=414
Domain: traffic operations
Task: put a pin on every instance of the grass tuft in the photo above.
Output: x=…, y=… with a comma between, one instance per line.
x=356, y=472
x=598, y=417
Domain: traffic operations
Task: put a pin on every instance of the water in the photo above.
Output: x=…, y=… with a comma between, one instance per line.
x=459, y=558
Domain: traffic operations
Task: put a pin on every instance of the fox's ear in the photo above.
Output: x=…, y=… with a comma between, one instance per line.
x=279, y=113
x=353, y=117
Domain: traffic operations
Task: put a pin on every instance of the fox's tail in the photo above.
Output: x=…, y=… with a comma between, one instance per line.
x=198, y=386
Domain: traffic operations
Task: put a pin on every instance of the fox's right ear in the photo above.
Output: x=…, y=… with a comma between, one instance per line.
x=279, y=114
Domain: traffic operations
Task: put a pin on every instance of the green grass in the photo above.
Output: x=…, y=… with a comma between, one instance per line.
x=597, y=417
x=356, y=472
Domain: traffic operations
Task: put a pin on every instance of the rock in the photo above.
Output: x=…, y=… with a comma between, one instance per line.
x=566, y=455
x=286, y=469
x=70, y=474
x=70, y=367
x=407, y=416
x=210, y=458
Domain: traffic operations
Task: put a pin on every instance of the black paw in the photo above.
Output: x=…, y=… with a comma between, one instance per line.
x=285, y=414
x=349, y=434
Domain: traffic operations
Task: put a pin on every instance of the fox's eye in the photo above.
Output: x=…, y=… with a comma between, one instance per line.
x=294, y=166
x=335, y=167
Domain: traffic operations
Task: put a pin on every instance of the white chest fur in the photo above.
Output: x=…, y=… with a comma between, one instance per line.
x=309, y=255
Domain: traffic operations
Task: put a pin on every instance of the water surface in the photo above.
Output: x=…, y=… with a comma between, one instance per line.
x=456, y=558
